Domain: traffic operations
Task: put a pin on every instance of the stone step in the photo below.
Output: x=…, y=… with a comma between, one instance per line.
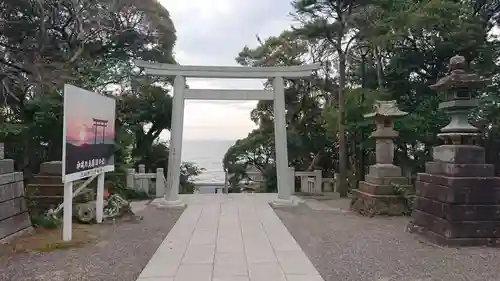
x=46, y=179
x=51, y=168
x=45, y=190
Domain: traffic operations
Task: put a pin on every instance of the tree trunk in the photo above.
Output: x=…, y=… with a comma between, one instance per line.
x=361, y=155
x=380, y=75
x=342, y=181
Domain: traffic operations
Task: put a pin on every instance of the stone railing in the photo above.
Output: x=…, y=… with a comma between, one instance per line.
x=310, y=182
x=329, y=184
x=313, y=181
x=142, y=181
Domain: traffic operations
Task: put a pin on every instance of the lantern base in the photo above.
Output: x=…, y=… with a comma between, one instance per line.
x=384, y=192
x=378, y=205
x=457, y=205
x=459, y=154
x=384, y=170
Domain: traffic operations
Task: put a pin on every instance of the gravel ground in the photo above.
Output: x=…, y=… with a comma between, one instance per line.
x=346, y=246
x=123, y=251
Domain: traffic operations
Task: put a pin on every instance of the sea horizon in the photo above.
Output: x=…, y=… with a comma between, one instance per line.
x=207, y=154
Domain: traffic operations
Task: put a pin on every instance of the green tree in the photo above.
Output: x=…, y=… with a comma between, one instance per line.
x=332, y=21
x=90, y=44
x=256, y=150
x=389, y=50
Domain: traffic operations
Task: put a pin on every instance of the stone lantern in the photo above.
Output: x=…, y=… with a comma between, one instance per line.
x=376, y=195
x=458, y=196
x=460, y=90
x=385, y=112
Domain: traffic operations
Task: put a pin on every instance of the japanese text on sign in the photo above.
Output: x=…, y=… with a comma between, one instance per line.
x=90, y=173
x=86, y=164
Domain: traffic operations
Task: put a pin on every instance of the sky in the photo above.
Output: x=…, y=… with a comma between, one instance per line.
x=213, y=33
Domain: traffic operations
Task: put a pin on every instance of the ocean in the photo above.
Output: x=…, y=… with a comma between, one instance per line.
x=206, y=154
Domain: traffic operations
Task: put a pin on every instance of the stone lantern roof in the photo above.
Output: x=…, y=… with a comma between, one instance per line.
x=386, y=109
x=458, y=77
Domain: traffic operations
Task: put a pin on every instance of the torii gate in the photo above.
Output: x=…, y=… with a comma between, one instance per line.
x=181, y=72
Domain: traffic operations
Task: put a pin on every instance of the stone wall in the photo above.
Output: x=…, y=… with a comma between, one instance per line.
x=14, y=217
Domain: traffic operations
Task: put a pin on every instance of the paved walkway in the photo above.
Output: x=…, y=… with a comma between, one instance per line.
x=235, y=237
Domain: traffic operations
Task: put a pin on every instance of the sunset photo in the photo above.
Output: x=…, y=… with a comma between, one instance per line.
x=89, y=121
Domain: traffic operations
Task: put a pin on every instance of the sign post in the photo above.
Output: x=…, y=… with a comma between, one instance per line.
x=88, y=146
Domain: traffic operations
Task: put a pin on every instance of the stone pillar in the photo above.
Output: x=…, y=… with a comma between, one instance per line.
x=143, y=183
x=376, y=195
x=171, y=198
x=304, y=184
x=318, y=181
x=292, y=178
x=336, y=177
x=458, y=196
x=160, y=183
x=130, y=179
x=282, y=171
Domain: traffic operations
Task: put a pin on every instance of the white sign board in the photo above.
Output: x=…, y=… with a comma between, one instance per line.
x=88, y=134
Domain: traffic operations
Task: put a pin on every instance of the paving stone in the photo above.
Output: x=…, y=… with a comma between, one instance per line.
x=229, y=238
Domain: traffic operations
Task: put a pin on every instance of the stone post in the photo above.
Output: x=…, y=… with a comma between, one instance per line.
x=304, y=184
x=336, y=182
x=376, y=195
x=318, y=181
x=143, y=183
x=130, y=179
x=292, y=178
x=160, y=183
x=458, y=196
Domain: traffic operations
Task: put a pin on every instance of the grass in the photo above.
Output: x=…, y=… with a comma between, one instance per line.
x=47, y=240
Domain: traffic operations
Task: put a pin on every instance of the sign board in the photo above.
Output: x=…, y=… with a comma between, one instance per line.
x=88, y=134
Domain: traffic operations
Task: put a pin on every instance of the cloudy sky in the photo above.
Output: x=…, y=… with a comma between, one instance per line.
x=212, y=33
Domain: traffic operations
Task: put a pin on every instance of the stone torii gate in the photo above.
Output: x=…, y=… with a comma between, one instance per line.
x=181, y=93
x=99, y=123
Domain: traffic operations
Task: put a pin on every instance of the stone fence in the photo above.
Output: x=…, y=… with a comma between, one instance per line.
x=313, y=181
x=142, y=181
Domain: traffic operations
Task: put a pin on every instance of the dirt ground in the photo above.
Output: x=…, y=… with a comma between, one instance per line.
x=111, y=251
x=47, y=240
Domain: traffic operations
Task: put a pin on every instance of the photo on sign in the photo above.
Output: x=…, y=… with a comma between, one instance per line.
x=89, y=133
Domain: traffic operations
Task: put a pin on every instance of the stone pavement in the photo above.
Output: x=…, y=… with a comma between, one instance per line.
x=234, y=237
